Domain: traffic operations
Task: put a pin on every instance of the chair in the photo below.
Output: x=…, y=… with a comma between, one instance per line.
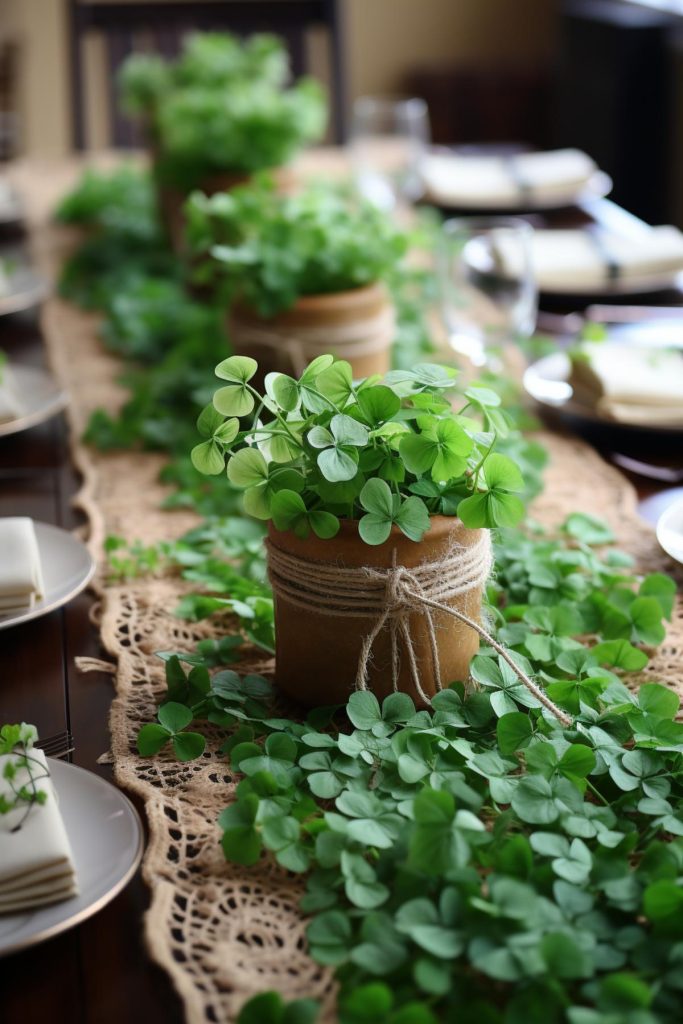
x=160, y=27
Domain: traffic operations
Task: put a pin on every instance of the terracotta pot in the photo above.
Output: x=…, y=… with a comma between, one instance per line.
x=356, y=325
x=317, y=654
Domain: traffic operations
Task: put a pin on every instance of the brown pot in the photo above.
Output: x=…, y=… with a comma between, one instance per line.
x=356, y=325
x=317, y=655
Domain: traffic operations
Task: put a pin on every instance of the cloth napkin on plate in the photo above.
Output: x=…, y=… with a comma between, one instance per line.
x=564, y=260
x=36, y=862
x=21, y=576
x=9, y=403
x=637, y=384
x=508, y=180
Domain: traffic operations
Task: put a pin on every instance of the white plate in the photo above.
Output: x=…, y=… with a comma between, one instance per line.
x=547, y=381
x=11, y=206
x=40, y=398
x=67, y=569
x=598, y=186
x=670, y=530
x=25, y=288
x=106, y=838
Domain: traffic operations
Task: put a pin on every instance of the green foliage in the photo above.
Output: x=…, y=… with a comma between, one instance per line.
x=222, y=106
x=481, y=846
x=121, y=201
x=267, y=249
x=388, y=452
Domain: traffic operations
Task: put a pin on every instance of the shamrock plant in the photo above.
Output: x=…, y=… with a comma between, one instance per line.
x=267, y=249
x=385, y=452
x=222, y=106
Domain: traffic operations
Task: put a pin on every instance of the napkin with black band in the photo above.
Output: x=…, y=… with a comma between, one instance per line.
x=581, y=259
x=637, y=384
x=21, y=575
x=507, y=180
x=36, y=861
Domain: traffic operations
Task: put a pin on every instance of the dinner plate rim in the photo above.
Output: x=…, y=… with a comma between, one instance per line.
x=8, y=621
x=662, y=523
x=98, y=904
x=26, y=298
x=53, y=407
x=598, y=186
x=571, y=407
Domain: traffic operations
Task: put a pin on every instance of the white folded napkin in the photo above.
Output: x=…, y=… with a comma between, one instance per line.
x=10, y=407
x=574, y=259
x=36, y=862
x=630, y=383
x=455, y=179
x=21, y=576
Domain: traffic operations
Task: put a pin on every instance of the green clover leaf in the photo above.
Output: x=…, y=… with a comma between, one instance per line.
x=289, y=513
x=338, y=459
x=235, y=399
x=383, y=509
x=441, y=448
x=209, y=456
x=497, y=506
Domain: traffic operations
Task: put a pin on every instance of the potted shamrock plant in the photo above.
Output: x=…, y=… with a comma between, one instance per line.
x=379, y=495
x=218, y=113
x=301, y=275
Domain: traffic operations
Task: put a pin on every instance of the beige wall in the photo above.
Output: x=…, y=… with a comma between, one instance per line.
x=384, y=40
x=40, y=29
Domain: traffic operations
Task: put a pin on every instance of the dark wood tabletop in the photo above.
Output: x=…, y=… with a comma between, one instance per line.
x=99, y=972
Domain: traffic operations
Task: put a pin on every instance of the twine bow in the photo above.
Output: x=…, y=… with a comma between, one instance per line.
x=391, y=596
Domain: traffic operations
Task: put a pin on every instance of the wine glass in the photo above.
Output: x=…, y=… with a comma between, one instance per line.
x=487, y=285
x=389, y=136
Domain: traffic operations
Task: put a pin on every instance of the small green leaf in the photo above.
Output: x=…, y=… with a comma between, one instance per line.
x=188, y=745
x=208, y=457
x=151, y=739
x=247, y=468
x=514, y=732
x=174, y=717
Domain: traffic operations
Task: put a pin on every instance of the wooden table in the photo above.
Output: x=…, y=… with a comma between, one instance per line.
x=99, y=972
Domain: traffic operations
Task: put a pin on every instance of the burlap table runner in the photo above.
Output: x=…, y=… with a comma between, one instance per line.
x=223, y=932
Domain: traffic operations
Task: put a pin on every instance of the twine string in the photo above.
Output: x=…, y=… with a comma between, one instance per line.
x=391, y=596
x=301, y=343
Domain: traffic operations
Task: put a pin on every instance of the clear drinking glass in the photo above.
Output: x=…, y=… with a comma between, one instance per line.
x=487, y=287
x=389, y=137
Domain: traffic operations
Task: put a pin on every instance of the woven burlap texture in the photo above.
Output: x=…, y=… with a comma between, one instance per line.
x=222, y=932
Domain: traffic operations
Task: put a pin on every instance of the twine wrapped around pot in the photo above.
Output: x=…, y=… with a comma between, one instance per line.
x=392, y=595
x=292, y=346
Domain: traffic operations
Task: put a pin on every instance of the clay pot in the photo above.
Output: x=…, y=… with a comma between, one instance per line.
x=317, y=655
x=356, y=325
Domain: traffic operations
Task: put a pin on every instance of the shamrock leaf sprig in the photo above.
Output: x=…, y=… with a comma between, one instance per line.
x=265, y=249
x=385, y=453
x=21, y=772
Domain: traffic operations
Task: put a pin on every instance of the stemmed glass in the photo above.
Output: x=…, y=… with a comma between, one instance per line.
x=389, y=137
x=487, y=286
